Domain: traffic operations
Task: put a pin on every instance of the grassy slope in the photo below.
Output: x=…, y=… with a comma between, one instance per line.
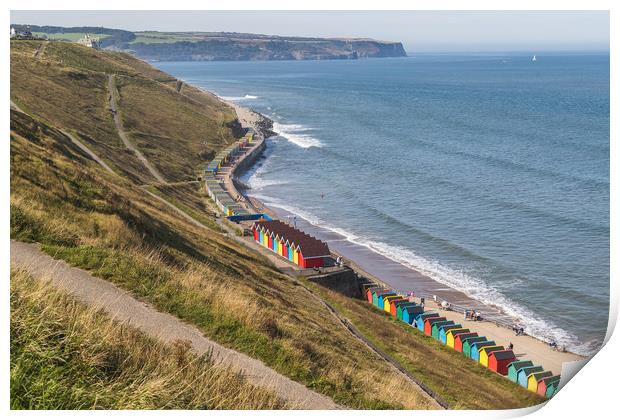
x=67, y=87
x=114, y=229
x=462, y=382
x=118, y=232
x=66, y=356
x=70, y=36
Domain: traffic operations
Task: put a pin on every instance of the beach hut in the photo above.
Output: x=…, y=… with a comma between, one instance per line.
x=534, y=378
x=524, y=373
x=474, y=352
x=420, y=318
x=443, y=331
x=289, y=247
x=452, y=334
x=409, y=313
x=428, y=324
x=459, y=340
x=401, y=305
x=499, y=361
x=377, y=295
x=381, y=298
x=544, y=383
x=437, y=326
x=552, y=388
x=369, y=295
x=306, y=251
x=469, y=342
x=387, y=302
x=485, y=352
x=395, y=304
x=514, y=367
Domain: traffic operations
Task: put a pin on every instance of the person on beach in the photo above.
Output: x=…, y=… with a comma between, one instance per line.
x=465, y=314
x=422, y=300
x=510, y=346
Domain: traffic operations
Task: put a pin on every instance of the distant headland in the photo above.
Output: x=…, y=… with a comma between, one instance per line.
x=222, y=46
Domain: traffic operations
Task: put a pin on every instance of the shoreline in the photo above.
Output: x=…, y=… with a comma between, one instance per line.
x=360, y=259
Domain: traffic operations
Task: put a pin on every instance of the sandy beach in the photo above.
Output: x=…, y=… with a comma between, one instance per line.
x=400, y=278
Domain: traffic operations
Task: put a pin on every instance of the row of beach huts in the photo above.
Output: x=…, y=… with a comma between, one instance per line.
x=227, y=204
x=287, y=241
x=478, y=348
x=307, y=251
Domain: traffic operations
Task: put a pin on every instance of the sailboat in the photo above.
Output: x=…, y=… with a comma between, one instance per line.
x=534, y=58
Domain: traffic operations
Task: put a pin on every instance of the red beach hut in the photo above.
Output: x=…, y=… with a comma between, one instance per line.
x=394, y=303
x=544, y=383
x=499, y=361
x=428, y=323
x=458, y=340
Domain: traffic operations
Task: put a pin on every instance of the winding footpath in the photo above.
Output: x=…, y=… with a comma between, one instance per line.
x=113, y=96
x=122, y=307
x=101, y=294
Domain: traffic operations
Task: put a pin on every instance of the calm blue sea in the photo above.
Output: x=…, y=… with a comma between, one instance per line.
x=488, y=173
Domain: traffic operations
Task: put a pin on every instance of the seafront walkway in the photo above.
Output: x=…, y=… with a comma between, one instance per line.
x=525, y=346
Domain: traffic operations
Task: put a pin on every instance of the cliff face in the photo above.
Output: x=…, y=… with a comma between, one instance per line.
x=224, y=46
x=237, y=49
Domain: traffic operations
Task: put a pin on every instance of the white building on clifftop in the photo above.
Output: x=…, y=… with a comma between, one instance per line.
x=89, y=42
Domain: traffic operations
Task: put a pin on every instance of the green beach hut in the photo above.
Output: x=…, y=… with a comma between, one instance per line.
x=514, y=367
x=552, y=388
x=437, y=326
x=468, y=342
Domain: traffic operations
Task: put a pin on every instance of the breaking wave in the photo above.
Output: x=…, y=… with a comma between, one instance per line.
x=459, y=280
x=295, y=133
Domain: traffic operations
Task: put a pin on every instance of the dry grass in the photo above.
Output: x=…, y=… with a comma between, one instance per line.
x=67, y=88
x=463, y=383
x=67, y=356
x=118, y=232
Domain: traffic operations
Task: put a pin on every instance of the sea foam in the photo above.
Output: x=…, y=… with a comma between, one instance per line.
x=295, y=133
x=473, y=287
x=240, y=98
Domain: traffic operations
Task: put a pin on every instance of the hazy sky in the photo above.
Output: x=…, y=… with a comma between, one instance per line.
x=418, y=30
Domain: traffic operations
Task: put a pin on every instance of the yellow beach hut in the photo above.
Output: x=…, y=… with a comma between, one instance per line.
x=452, y=333
x=485, y=352
x=296, y=255
x=387, y=300
x=534, y=378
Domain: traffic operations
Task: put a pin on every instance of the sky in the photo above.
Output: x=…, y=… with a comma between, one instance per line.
x=419, y=31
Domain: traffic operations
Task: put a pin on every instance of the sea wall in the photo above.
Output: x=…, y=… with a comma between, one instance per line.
x=344, y=281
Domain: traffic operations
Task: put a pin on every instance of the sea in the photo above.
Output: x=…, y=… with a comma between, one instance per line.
x=473, y=176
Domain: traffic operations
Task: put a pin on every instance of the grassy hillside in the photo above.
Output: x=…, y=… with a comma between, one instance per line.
x=67, y=87
x=110, y=226
x=114, y=229
x=66, y=356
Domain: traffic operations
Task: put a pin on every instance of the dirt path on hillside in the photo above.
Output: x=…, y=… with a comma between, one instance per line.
x=40, y=50
x=113, y=96
x=89, y=152
x=122, y=307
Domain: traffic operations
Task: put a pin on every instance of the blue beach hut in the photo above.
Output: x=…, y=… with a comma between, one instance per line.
x=443, y=331
x=514, y=367
x=381, y=297
x=523, y=374
x=437, y=326
x=420, y=318
x=475, y=349
x=409, y=312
